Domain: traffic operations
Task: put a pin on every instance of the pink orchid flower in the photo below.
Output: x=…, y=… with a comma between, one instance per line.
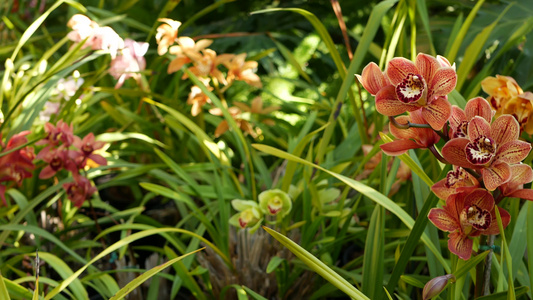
x=86, y=147
x=129, y=62
x=79, y=190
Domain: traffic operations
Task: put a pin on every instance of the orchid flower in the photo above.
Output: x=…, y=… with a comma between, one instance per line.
x=274, y=202
x=239, y=69
x=408, y=86
x=79, y=190
x=249, y=214
x=489, y=148
x=166, y=34
x=467, y=215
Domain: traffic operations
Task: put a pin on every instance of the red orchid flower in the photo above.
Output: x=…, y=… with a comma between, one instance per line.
x=489, y=148
x=16, y=165
x=79, y=190
x=410, y=138
x=456, y=181
x=466, y=215
x=520, y=174
x=86, y=147
x=407, y=86
x=459, y=118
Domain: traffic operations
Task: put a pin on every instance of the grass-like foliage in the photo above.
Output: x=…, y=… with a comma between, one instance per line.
x=266, y=149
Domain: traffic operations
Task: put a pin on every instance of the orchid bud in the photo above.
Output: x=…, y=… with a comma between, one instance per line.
x=436, y=285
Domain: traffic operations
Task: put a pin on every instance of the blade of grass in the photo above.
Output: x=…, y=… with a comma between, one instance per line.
x=374, y=255
x=316, y=265
x=4, y=294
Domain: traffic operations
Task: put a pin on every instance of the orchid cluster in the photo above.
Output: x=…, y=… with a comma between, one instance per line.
x=127, y=55
x=15, y=165
x=204, y=63
x=65, y=151
x=481, y=142
x=275, y=204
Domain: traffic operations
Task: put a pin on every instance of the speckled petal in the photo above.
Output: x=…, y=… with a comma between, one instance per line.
x=504, y=129
x=454, y=152
x=437, y=113
x=372, y=78
x=513, y=152
x=496, y=175
x=480, y=198
x=398, y=69
x=460, y=245
x=478, y=107
x=427, y=65
x=443, y=220
x=387, y=103
x=443, y=82
x=478, y=127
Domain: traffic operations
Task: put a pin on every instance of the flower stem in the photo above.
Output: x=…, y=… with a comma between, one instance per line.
x=437, y=154
x=488, y=265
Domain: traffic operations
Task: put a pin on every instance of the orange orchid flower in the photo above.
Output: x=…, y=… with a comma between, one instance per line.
x=488, y=148
x=410, y=138
x=186, y=52
x=467, y=215
x=239, y=69
x=166, y=34
x=408, y=86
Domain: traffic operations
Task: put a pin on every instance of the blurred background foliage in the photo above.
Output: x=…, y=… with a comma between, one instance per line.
x=163, y=161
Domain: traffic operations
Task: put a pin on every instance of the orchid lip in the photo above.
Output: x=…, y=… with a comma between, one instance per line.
x=478, y=218
x=481, y=151
x=411, y=89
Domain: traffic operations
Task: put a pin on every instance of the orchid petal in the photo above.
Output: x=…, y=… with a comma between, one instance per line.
x=478, y=127
x=521, y=174
x=454, y=152
x=442, y=83
x=457, y=116
x=496, y=175
x=480, y=198
x=437, y=113
x=387, y=102
x=478, y=107
x=493, y=228
x=408, y=133
x=372, y=78
x=504, y=129
x=398, y=69
x=427, y=66
x=399, y=147
x=525, y=194
x=460, y=245
x=513, y=152
x=443, y=220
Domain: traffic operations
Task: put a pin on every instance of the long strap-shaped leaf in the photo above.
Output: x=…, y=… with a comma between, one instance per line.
x=316, y=265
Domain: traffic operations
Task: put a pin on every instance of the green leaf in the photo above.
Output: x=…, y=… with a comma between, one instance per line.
x=4, y=294
x=316, y=265
x=374, y=256
x=470, y=264
x=274, y=263
x=254, y=295
x=65, y=272
x=519, y=291
x=474, y=49
x=458, y=40
x=146, y=275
